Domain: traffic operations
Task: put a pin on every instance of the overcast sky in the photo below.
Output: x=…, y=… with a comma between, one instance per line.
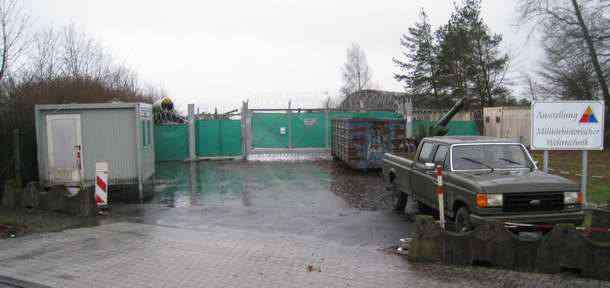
x=218, y=53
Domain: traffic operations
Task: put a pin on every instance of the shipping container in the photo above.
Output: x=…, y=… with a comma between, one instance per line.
x=362, y=142
x=72, y=138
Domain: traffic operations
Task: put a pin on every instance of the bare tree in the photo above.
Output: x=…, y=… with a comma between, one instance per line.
x=44, y=55
x=13, y=22
x=356, y=71
x=570, y=23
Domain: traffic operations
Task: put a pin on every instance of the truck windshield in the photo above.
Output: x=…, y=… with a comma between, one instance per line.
x=490, y=156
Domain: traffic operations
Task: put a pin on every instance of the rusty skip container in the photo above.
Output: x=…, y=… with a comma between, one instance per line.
x=362, y=142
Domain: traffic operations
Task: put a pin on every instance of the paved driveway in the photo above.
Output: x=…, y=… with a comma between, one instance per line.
x=234, y=224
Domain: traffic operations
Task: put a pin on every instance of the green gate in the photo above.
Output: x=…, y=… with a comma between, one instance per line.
x=171, y=142
x=218, y=138
x=305, y=129
x=269, y=130
x=308, y=130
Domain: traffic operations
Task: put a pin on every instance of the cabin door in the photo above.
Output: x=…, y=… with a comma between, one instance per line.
x=64, y=148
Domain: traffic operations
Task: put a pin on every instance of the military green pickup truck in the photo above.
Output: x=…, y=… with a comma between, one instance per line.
x=484, y=178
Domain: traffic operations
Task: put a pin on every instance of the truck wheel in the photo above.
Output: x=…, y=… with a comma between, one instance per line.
x=399, y=199
x=462, y=220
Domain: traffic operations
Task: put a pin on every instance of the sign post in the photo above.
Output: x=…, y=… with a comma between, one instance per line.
x=569, y=125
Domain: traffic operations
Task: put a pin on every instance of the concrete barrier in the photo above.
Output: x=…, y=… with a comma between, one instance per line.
x=425, y=246
x=563, y=248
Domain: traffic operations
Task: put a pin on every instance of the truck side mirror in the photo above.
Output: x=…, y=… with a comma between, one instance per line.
x=429, y=166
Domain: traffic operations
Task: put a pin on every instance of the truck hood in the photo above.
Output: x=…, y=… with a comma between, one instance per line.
x=516, y=181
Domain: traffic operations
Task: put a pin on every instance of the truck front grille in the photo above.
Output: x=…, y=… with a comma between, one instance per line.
x=541, y=201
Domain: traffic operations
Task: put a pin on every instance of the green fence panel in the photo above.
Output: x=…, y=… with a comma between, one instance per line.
x=308, y=130
x=171, y=142
x=231, y=144
x=267, y=128
x=218, y=138
x=456, y=127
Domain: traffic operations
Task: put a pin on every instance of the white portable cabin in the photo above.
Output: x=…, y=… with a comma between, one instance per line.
x=119, y=134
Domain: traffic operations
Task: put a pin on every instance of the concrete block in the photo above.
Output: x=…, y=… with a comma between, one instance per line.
x=492, y=244
x=598, y=260
x=563, y=247
x=425, y=246
x=456, y=249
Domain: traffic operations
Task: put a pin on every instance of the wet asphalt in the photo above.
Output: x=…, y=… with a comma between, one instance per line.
x=323, y=199
x=248, y=224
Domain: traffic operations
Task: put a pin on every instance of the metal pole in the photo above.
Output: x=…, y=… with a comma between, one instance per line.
x=17, y=157
x=289, y=125
x=326, y=128
x=584, y=178
x=191, y=118
x=244, y=132
x=546, y=161
x=409, y=116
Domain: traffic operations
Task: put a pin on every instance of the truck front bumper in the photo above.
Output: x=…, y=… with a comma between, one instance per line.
x=576, y=217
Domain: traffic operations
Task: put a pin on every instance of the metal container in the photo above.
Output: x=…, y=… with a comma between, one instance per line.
x=72, y=138
x=362, y=142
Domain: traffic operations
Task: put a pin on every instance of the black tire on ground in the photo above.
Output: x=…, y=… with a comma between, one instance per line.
x=399, y=199
x=462, y=220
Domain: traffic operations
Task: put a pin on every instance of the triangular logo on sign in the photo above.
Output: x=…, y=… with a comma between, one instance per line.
x=588, y=116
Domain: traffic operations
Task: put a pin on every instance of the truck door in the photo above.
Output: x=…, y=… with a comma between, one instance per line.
x=424, y=176
x=63, y=143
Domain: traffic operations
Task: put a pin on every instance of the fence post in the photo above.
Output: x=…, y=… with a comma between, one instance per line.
x=191, y=118
x=326, y=128
x=17, y=157
x=409, y=116
x=244, y=135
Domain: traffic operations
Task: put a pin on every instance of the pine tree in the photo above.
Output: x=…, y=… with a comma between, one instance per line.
x=470, y=57
x=419, y=72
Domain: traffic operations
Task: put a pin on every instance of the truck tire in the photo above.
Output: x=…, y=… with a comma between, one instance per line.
x=462, y=220
x=399, y=199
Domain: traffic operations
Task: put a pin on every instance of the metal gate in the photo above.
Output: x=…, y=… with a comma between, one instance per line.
x=270, y=130
x=218, y=138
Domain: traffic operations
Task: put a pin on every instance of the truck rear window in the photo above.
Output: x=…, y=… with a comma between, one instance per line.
x=425, y=155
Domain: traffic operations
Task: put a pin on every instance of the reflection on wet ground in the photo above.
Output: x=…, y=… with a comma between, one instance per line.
x=323, y=184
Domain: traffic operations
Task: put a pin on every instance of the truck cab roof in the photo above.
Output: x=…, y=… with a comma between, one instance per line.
x=450, y=140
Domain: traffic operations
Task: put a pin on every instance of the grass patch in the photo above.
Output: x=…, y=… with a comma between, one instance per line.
x=567, y=164
x=39, y=221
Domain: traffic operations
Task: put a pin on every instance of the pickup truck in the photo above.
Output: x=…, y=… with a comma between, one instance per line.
x=485, y=178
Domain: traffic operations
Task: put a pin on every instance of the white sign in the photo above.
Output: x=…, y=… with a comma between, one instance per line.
x=309, y=122
x=568, y=125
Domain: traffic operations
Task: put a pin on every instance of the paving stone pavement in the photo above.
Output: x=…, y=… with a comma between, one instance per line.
x=141, y=255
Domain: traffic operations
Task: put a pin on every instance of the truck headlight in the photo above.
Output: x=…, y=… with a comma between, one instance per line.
x=489, y=200
x=573, y=198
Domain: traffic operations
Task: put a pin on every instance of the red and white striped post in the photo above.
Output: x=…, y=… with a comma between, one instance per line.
x=101, y=184
x=440, y=192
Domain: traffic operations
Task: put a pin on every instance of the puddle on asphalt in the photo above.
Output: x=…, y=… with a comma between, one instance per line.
x=318, y=184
